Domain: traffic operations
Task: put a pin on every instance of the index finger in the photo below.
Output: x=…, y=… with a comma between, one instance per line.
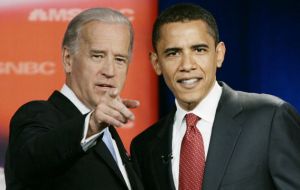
x=113, y=93
x=131, y=103
x=126, y=112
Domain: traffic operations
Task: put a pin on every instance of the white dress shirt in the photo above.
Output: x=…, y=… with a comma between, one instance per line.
x=87, y=143
x=206, y=110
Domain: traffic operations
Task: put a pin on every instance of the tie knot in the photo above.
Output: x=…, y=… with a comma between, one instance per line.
x=191, y=119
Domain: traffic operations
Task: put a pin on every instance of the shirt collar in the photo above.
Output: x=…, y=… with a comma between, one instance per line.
x=68, y=92
x=205, y=109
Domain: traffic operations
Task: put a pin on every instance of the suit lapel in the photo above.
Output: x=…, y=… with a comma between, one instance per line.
x=102, y=150
x=133, y=178
x=225, y=133
x=63, y=104
x=104, y=153
x=162, y=153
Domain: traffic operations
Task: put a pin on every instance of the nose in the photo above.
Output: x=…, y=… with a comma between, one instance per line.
x=108, y=67
x=187, y=62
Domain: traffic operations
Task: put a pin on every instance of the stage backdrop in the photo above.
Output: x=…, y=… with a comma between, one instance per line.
x=31, y=32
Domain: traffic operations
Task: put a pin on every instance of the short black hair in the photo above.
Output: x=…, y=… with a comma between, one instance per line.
x=183, y=13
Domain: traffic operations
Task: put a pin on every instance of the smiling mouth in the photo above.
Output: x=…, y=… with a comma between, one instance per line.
x=189, y=81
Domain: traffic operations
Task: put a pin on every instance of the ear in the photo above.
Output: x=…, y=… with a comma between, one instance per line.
x=220, y=50
x=67, y=61
x=154, y=61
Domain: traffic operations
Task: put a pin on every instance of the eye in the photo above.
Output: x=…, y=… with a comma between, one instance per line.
x=121, y=60
x=97, y=57
x=172, y=53
x=200, y=49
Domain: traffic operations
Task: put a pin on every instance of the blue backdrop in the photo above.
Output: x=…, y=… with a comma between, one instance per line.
x=263, y=47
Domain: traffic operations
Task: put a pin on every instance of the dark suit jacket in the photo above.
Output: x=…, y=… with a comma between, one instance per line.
x=255, y=145
x=45, y=153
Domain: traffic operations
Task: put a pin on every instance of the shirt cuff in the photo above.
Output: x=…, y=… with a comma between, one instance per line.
x=87, y=143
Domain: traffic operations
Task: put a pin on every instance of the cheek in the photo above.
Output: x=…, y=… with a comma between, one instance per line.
x=78, y=67
x=85, y=77
x=122, y=74
x=85, y=74
x=168, y=74
x=209, y=66
x=168, y=69
x=170, y=81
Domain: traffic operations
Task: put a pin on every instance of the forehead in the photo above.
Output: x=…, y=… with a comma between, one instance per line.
x=187, y=31
x=100, y=33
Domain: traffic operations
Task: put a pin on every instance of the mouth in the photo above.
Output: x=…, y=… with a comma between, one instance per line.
x=104, y=86
x=189, y=82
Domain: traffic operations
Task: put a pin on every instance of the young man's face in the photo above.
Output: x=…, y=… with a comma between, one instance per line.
x=100, y=63
x=188, y=58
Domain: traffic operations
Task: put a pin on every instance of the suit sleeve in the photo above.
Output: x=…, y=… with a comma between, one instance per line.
x=42, y=142
x=284, y=148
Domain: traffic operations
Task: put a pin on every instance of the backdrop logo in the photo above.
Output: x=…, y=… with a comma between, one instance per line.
x=27, y=68
x=52, y=14
x=62, y=14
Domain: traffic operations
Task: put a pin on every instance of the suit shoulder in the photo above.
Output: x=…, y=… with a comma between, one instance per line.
x=255, y=100
x=37, y=110
x=250, y=101
x=34, y=106
x=265, y=102
x=151, y=132
x=148, y=133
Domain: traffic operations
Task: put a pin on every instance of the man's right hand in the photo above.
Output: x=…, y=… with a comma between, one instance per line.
x=111, y=110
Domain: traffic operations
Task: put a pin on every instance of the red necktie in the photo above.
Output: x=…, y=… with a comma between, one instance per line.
x=192, y=156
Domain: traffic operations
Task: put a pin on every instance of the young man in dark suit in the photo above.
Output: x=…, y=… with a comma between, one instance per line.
x=69, y=141
x=216, y=138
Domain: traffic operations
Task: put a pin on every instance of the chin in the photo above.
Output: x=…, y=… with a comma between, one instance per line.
x=190, y=97
x=188, y=101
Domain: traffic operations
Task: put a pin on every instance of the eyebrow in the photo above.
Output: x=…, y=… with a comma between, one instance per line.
x=199, y=46
x=96, y=51
x=193, y=47
x=123, y=56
